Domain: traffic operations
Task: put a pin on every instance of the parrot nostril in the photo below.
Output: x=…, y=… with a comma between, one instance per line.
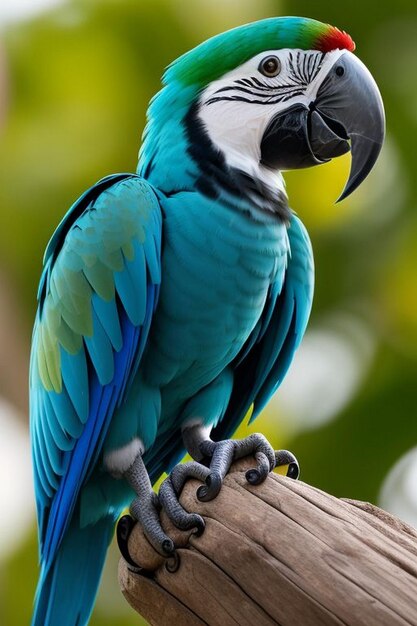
x=340, y=70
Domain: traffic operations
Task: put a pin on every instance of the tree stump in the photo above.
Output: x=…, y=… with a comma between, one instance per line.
x=279, y=553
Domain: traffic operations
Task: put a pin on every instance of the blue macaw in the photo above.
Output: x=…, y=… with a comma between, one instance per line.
x=172, y=300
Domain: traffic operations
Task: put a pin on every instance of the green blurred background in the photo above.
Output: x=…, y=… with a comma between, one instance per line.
x=75, y=80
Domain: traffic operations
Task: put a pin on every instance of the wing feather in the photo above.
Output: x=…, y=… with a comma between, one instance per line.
x=97, y=296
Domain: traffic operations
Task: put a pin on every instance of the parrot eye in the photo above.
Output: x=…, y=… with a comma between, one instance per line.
x=340, y=70
x=270, y=66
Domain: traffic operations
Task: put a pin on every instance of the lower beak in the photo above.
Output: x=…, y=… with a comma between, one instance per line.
x=347, y=114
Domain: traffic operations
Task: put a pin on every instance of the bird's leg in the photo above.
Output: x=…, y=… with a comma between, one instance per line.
x=146, y=506
x=211, y=464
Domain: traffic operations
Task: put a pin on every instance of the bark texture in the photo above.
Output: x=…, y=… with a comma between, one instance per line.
x=279, y=553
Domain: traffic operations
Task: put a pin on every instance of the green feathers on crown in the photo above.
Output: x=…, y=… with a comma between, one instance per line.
x=224, y=52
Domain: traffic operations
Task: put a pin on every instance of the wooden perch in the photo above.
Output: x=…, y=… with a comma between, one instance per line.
x=279, y=553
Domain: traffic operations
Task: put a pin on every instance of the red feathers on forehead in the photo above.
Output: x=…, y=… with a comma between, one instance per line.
x=335, y=38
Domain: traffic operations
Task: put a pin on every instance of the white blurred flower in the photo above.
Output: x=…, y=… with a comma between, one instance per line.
x=16, y=493
x=327, y=372
x=16, y=10
x=399, y=490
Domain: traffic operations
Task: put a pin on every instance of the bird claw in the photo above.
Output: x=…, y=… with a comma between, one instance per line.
x=124, y=529
x=285, y=457
x=123, y=532
x=218, y=457
x=222, y=454
x=211, y=489
x=257, y=475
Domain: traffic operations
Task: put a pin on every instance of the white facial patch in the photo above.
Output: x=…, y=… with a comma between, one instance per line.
x=237, y=108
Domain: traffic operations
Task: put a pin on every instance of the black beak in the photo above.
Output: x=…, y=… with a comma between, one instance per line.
x=347, y=114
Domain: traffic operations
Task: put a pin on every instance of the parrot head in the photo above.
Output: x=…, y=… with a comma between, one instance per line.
x=275, y=95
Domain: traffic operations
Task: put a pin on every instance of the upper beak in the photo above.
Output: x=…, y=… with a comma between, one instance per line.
x=347, y=113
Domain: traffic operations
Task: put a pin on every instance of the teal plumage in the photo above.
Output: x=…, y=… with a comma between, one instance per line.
x=98, y=293
x=196, y=316
x=165, y=295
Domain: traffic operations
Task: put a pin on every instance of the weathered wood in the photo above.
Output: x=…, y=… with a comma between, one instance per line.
x=279, y=553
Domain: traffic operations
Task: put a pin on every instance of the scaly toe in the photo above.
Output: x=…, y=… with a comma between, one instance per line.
x=263, y=446
x=145, y=510
x=181, y=472
x=210, y=490
x=257, y=475
x=177, y=514
x=168, y=546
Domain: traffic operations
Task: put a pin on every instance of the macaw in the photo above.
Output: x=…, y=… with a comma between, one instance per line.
x=172, y=300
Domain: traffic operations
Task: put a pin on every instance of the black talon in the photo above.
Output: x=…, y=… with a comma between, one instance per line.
x=293, y=471
x=209, y=491
x=197, y=523
x=123, y=531
x=257, y=475
x=284, y=457
x=172, y=564
x=253, y=476
x=168, y=547
x=202, y=494
x=200, y=527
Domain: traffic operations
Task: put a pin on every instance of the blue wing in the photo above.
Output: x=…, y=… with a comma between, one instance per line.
x=97, y=295
x=264, y=360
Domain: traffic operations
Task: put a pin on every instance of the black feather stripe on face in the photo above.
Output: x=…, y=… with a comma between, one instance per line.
x=302, y=68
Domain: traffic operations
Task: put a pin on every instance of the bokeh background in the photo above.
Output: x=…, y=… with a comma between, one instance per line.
x=75, y=80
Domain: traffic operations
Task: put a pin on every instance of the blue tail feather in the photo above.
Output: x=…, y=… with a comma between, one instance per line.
x=67, y=589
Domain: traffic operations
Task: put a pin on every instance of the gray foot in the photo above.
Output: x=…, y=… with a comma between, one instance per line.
x=145, y=508
x=220, y=455
x=216, y=459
